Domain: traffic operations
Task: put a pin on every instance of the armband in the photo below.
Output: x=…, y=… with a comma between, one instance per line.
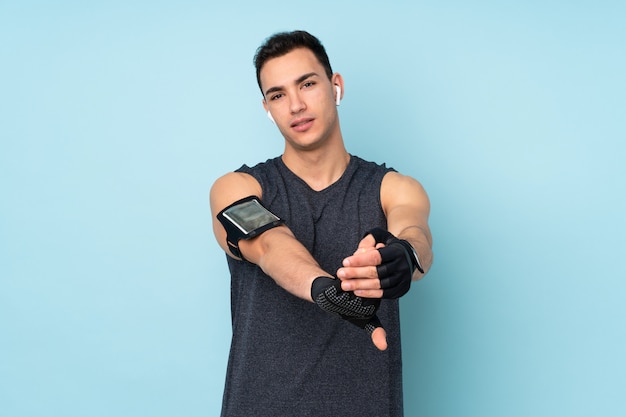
x=245, y=219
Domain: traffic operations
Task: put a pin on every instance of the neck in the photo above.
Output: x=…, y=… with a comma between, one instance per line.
x=319, y=169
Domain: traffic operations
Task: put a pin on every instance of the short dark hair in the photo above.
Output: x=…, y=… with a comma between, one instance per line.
x=282, y=43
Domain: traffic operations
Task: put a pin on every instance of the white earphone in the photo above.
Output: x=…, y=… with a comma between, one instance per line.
x=269, y=116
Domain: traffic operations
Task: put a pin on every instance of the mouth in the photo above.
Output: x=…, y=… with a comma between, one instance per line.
x=302, y=124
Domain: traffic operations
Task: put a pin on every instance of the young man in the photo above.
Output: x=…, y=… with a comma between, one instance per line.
x=321, y=245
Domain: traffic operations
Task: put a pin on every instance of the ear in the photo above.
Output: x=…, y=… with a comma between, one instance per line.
x=267, y=110
x=337, y=81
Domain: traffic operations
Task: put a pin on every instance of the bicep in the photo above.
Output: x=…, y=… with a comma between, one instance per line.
x=225, y=191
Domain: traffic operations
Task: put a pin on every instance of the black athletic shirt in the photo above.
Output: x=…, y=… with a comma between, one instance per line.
x=288, y=357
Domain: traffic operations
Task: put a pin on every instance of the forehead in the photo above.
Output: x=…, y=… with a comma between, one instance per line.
x=285, y=69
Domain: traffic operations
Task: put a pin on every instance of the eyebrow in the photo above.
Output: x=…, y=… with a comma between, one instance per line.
x=298, y=81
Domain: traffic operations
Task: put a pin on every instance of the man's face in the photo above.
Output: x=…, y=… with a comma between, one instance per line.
x=301, y=99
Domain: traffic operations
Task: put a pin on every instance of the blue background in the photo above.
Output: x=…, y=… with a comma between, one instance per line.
x=116, y=117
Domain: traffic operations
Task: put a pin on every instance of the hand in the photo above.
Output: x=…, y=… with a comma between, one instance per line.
x=382, y=266
x=358, y=273
x=326, y=292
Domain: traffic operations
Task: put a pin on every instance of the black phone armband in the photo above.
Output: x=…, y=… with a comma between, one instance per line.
x=245, y=219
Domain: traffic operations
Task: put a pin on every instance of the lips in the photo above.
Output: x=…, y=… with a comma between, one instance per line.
x=302, y=124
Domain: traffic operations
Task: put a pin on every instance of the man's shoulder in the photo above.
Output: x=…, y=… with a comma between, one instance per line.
x=247, y=172
x=264, y=166
x=364, y=164
x=246, y=179
x=233, y=181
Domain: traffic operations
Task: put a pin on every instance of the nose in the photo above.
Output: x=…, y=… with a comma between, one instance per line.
x=296, y=104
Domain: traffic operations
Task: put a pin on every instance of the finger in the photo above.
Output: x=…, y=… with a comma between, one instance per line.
x=361, y=284
x=379, y=338
x=363, y=250
x=367, y=242
x=363, y=258
x=369, y=293
x=367, y=272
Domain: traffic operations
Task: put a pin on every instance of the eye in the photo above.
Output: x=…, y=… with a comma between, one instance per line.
x=276, y=96
x=308, y=84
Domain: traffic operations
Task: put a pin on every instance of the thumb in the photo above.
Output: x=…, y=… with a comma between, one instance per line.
x=379, y=338
x=378, y=333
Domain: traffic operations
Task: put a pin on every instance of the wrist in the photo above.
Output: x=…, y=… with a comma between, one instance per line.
x=415, y=260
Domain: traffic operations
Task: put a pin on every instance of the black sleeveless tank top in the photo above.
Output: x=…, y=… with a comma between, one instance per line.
x=288, y=357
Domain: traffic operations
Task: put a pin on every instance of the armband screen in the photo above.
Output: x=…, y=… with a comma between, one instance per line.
x=245, y=219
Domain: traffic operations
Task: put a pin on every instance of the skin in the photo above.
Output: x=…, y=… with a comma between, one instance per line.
x=406, y=207
x=302, y=101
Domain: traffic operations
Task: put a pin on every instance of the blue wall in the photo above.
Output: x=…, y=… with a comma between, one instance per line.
x=116, y=117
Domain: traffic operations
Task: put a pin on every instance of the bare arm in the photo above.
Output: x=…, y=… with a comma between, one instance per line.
x=407, y=208
x=271, y=249
x=277, y=251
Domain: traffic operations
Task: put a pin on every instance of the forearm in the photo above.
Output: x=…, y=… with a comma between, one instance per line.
x=407, y=208
x=421, y=241
x=281, y=256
